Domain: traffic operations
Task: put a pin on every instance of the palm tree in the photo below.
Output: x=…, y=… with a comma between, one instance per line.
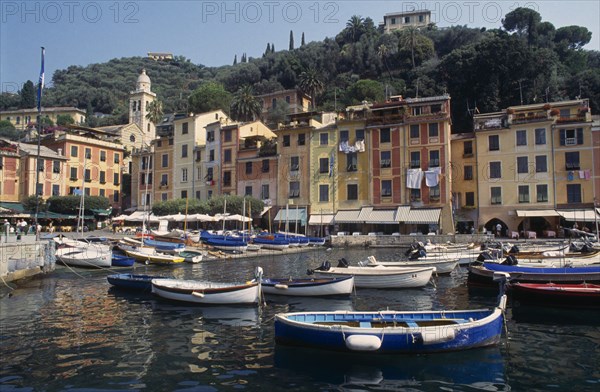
x=355, y=27
x=311, y=83
x=409, y=39
x=383, y=52
x=155, y=112
x=245, y=106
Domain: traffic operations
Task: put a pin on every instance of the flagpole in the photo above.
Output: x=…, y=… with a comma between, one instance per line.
x=39, y=133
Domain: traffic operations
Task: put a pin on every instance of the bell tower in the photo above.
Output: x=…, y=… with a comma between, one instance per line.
x=139, y=100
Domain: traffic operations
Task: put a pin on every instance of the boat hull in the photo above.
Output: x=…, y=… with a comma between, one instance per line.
x=382, y=277
x=122, y=260
x=149, y=257
x=483, y=275
x=132, y=281
x=206, y=292
x=309, y=287
x=88, y=257
x=582, y=295
x=442, y=267
x=389, y=332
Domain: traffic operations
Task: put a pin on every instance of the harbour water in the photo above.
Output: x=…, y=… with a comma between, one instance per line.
x=70, y=331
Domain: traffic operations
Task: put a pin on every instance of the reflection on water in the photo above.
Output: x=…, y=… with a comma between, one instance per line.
x=72, y=330
x=464, y=370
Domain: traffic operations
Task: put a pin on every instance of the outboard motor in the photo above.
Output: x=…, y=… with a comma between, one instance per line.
x=343, y=263
x=325, y=266
x=486, y=255
x=514, y=250
x=510, y=260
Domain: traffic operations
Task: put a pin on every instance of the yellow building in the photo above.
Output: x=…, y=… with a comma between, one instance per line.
x=534, y=164
x=402, y=20
x=24, y=118
x=463, y=169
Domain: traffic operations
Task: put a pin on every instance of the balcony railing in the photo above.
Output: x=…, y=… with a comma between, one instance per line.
x=572, y=165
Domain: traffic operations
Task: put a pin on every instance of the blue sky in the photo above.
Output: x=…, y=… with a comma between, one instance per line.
x=212, y=32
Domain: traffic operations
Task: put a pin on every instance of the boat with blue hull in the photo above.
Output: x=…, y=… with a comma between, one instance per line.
x=163, y=245
x=392, y=332
x=135, y=282
x=229, y=244
x=483, y=274
x=121, y=260
x=271, y=242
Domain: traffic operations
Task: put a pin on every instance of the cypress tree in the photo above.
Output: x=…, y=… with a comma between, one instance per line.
x=235, y=59
x=27, y=96
x=291, y=40
x=302, y=42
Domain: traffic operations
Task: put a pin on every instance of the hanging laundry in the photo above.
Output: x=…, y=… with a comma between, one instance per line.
x=414, y=178
x=582, y=174
x=432, y=178
x=587, y=174
x=570, y=176
x=360, y=145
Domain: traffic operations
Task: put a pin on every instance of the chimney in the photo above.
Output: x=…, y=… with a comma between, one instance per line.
x=59, y=151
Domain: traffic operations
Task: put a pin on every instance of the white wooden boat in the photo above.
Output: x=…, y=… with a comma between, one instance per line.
x=380, y=277
x=199, y=292
x=442, y=265
x=309, y=287
x=151, y=256
x=88, y=255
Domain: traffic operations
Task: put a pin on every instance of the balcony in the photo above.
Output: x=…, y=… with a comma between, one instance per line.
x=524, y=118
x=427, y=117
x=415, y=164
x=352, y=168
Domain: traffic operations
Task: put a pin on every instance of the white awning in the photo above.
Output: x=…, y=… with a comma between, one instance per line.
x=580, y=215
x=320, y=219
x=348, y=216
x=424, y=216
x=402, y=213
x=265, y=210
x=536, y=213
x=382, y=216
x=365, y=212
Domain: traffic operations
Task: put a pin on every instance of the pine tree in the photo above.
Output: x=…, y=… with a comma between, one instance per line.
x=272, y=48
x=27, y=96
x=268, y=50
x=302, y=43
x=235, y=59
x=291, y=40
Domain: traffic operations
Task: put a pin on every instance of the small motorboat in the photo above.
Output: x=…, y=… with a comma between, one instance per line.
x=442, y=266
x=192, y=256
x=85, y=255
x=378, y=277
x=309, y=287
x=583, y=295
x=151, y=256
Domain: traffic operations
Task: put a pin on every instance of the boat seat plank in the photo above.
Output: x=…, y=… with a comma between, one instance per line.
x=365, y=324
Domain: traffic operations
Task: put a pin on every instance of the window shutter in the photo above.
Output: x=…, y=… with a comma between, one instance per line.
x=579, y=135
x=562, y=137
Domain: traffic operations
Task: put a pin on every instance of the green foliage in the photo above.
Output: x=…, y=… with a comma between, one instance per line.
x=64, y=119
x=70, y=204
x=209, y=96
x=155, y=112
x=28, y=94
x=8, y=131
x=291, y=47
x=29, y=204
x=311, y=83
x=366, y=90
x=215, y=205
x=277, y=113
x=244, y=106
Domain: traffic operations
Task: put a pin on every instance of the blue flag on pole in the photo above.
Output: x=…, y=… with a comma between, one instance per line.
x=41, y=82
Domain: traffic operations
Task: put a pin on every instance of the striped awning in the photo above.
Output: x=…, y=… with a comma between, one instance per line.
x=424, y=216
x=402, y=213
x=382, y=216
x=365, y=212
x=320, y=219
x=536, y=213
x=348, y=216
x=579, y=215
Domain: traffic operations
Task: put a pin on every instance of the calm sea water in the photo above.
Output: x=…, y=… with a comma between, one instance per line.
x=70, y=331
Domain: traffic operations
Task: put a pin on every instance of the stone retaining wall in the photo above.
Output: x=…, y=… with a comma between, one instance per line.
x=20, y=260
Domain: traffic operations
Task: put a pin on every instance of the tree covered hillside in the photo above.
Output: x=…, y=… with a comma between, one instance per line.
x=527, y=61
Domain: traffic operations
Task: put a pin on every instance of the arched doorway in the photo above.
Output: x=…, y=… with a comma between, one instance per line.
x=492, y=227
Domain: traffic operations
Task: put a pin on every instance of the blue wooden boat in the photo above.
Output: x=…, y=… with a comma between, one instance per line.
x=271, y=242
x=133, y=281
x=394, y=332
x=229, y=245
x=316, y=241
x=483, y=274
x=120, y=260
x=163, y=245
